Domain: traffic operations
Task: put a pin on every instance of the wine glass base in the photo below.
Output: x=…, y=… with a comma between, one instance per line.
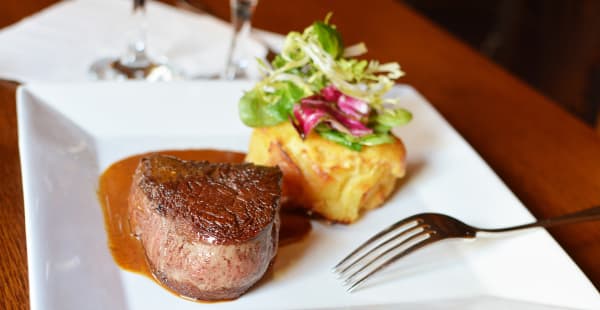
x=236, y=70
x=113, y=69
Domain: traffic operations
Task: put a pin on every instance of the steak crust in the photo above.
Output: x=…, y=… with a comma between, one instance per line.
x=209, y=230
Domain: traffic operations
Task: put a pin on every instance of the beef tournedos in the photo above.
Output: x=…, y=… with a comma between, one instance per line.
x=209, y=230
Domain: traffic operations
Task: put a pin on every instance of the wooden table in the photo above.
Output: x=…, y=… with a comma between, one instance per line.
x=549, y=159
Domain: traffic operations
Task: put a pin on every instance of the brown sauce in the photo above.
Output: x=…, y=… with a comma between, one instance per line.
x=113, y=190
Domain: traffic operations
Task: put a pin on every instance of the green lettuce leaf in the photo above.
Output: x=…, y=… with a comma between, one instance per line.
x=329, y=39
x=258, y=108
x=278, y=62
x=377, y=138
x=387, y=119
x=339, y=138
x=352, y=142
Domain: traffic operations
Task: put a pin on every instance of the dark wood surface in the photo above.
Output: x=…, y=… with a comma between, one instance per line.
x=549, y=159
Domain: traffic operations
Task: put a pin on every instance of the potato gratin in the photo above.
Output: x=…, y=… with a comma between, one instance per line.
x=327, y=178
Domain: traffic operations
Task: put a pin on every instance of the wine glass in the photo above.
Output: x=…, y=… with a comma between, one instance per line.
x=241, y=17
x=134, y=64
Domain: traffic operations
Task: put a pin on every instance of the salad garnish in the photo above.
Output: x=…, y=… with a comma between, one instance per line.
x=319, y=86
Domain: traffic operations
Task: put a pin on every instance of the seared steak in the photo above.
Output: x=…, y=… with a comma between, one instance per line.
x=209, y=230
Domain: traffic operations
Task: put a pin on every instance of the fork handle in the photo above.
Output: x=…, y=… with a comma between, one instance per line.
x=591, y=214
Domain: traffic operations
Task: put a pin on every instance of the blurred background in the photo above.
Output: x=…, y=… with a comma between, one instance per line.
x=553, y=45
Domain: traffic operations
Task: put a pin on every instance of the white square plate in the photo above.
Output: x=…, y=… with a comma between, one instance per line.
x=69, y=133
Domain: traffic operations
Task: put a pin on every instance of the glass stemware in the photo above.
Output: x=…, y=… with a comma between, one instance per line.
x=241, y=17
x=134, y=63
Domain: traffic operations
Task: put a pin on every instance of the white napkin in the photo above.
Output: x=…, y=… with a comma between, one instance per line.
x=61, y=42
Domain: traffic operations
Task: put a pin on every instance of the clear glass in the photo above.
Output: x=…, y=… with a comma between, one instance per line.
x=241, y=21
x=134, y=64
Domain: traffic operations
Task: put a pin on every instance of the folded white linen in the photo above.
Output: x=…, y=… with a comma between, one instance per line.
x=61, y=42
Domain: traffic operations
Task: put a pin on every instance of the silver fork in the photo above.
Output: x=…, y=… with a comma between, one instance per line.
x=417, y=231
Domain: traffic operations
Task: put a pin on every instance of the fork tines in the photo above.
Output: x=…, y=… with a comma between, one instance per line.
x=383, y=249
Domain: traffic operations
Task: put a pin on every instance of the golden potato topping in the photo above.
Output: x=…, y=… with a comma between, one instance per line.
x=327, y=178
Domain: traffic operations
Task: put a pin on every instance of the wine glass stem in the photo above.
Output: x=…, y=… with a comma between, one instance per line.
x=136, y=49
x=241, y=17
